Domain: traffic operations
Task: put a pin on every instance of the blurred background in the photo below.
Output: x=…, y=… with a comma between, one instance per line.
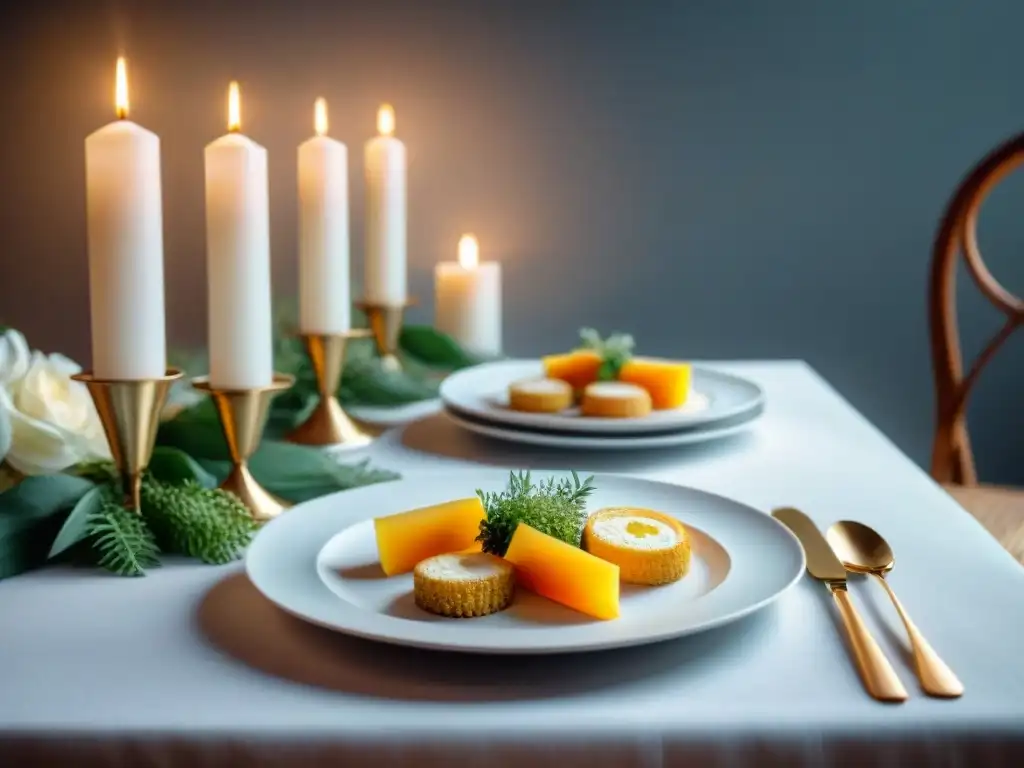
x=723, y=179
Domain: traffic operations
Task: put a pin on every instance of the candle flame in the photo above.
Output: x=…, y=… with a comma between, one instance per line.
x=234, y=108
x=320, y=117
x=469, y=252
x=386, y=120
x=121, y=89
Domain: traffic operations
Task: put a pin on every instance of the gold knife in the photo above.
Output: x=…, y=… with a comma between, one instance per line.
x=876, y=672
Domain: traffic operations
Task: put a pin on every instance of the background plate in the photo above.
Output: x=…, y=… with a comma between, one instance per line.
x=482, y=393
x=614, y=442
x=318, y=561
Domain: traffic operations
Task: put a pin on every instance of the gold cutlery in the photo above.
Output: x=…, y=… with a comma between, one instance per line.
x=863, y=550
x=876, y=672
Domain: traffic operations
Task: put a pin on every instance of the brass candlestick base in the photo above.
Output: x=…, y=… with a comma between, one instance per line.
x=328, y=424
x=243, y=415
x=386, y=325
x=130, y=413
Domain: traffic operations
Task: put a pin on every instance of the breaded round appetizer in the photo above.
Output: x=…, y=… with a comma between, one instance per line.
x=463, y=585
x=615, y=400
x=540, y=395
x=649, y=547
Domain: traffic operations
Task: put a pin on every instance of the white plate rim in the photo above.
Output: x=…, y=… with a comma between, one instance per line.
x=605, y=443
x=662, y=421
x=263, y=565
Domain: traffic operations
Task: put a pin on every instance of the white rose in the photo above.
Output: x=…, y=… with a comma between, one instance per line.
x=54, y=423
x=14, y=356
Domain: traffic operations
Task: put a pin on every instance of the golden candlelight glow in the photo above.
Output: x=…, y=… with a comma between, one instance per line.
x=320, y=117
x=386, y=120
x=469, y=252
x=121, y=89
x=234, y=108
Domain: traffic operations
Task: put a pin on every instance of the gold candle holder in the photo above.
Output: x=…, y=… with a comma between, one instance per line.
x=385, y=321
x=328, y=424
x=243, y=415
x=129, y=410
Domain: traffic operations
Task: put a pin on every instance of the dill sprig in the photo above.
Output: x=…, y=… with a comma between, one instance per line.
x=615, y=351
x=557, y=508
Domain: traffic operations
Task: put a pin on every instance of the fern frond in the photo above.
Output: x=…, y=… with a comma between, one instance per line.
x=121, y=541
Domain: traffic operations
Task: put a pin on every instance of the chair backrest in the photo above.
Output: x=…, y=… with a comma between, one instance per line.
x=952, y=459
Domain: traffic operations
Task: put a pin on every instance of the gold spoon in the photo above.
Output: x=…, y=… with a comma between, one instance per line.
x=863, y=550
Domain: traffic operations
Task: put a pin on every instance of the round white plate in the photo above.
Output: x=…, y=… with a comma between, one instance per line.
x=318, y=561
x=612, y=442
x=482, y=392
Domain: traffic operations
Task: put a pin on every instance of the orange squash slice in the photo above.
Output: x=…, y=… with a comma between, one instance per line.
x=564, y=573
x=406, y=538
x=667, y=382
x=575, y=368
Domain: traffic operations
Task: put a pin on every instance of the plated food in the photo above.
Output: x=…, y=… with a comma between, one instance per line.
x=322, y=564
x=605, y=380
x=468, y=556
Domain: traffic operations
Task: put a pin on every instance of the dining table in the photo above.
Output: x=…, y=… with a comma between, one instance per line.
x=191, y=666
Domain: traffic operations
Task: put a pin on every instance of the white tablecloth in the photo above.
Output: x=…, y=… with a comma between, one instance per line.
x=189, y=666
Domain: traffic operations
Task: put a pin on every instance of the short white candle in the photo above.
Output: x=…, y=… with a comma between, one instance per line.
x=238, y=258
x=468, y=299
x=126, y=251
x=385, y=270
x=324, y=296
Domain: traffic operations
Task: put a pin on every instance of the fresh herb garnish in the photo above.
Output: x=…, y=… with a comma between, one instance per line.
x=555, y=508
x=615, y=351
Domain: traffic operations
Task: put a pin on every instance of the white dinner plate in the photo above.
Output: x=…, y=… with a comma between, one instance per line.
x=318, y=561
x=612, y=442
x=482, y=393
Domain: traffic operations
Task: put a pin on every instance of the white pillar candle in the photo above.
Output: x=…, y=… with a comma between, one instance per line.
x=126, y=252
x=468, y=300
x=385, y=214
x=323, y=231
x=238, y=258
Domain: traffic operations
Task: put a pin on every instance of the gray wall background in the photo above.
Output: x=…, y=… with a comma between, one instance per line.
x=723, y=179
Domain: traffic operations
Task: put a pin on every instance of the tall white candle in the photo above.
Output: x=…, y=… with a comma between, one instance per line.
x=323, y=231
x=385, y=271
x=238, y=258
x=126, y=251
x=468, y=300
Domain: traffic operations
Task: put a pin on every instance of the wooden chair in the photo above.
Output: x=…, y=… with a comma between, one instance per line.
x=1000, y=510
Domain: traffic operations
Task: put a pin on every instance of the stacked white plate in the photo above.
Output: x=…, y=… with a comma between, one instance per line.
x=719, y=405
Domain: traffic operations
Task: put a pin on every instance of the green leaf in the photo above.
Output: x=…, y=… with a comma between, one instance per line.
x=434, y=348
x=39, y=497
x=299, y=472
x=364, y=381
x=172, y=465
x=5, y=433
x=196, y=431
x=30, y=516
x=76, y=526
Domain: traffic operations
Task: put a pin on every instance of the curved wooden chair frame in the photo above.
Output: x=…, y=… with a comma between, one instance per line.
x=952, y=459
